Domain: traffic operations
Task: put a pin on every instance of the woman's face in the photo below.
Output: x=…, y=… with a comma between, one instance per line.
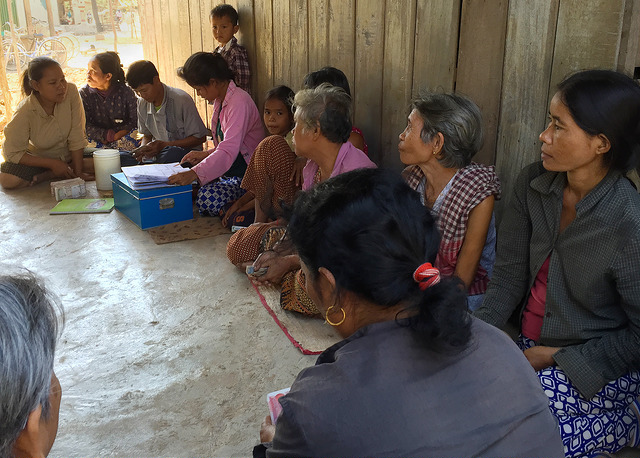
x=211, y=91
x=52, y=87
x=277, y=117
x=565, y=146
x=413, y=151
x=38, y=441
x=96, y=78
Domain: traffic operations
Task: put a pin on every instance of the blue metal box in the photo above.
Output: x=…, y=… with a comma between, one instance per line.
x=152, y=207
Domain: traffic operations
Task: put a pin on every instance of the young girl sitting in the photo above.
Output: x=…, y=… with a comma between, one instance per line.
x=45, y=138
x=266, y=180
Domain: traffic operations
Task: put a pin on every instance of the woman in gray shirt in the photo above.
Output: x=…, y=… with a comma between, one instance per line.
x=415, y=375
x=568, y=258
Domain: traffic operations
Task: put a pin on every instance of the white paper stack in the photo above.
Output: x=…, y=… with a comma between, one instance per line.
x=150, y=176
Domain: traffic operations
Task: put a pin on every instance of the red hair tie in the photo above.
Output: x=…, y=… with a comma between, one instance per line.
x=426, y=275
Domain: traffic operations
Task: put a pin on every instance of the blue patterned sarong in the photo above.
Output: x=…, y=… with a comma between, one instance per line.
x=596, y=427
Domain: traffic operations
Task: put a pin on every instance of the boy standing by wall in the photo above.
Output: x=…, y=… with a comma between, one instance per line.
x=224, y=25
x=167, y=117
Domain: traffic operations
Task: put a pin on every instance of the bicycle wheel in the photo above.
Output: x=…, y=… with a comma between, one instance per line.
x=54, y=48
x=71, y=43
x=10, y=57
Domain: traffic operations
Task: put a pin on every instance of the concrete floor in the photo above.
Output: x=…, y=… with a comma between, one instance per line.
x=166, y=349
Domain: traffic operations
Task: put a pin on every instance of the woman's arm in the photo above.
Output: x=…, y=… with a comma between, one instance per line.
x=235, y=124
x=59, y=168
x=277, y=266
x=510, y=278
x=76, y=141
x=77, y=162
x=599, y=360
x=474, y=241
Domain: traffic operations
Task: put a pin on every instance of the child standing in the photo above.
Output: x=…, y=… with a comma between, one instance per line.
x=224, y=25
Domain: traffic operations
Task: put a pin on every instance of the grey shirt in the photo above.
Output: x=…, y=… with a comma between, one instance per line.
x=593, y=288
x=177, y=118
x=380, y=393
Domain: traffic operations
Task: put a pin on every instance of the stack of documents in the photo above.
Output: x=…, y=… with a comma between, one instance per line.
x=150, y=176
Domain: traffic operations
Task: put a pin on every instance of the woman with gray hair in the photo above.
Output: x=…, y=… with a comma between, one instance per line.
x=443, y=133
x=30, y=391
x=322, y=127
x=321, y=134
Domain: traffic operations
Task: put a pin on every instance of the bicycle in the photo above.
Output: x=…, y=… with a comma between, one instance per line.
x=49, y=47
x=71, y=42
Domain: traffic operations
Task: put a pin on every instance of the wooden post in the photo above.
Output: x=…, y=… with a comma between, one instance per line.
x=29, y=17
x=52, y=30
x=4, y=87
x=14, y=35
x=113, y=26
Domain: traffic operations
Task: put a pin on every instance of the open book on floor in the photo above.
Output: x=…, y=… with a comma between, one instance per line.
x=70, y=206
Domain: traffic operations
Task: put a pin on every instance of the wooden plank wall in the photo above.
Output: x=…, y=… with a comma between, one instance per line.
x=507, y=55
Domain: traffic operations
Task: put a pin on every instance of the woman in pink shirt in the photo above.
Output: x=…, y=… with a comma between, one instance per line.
x=321, y=133
x=236, y=129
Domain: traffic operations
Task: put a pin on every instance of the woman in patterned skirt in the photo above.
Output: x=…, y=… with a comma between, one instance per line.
x=567, y=259
x=443, y=133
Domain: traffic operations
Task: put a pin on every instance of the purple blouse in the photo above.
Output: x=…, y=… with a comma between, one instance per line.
x=109, y=112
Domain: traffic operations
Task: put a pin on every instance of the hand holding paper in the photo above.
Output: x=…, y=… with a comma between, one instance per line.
x=183, y=178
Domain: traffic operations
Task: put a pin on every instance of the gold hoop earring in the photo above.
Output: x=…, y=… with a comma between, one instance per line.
x=326, y=317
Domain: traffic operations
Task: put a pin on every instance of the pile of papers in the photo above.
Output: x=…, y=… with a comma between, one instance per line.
x=150, y=176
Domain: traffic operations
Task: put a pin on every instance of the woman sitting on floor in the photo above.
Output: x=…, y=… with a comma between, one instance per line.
x=110, y=105
x=567, y=258
x=266, y=180
x=416, y=376
x=321, y=133
x=236, y=127
x=334, y=77
x=45, y=138
x=443, y=133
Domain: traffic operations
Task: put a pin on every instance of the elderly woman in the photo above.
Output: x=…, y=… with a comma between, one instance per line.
x=45, y=138
x=408, y=377
x=568, y=261
x=443, y=133
x=322, y=128
x=30, y=394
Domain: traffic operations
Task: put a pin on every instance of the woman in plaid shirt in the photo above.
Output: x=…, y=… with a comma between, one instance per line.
x=443, y=133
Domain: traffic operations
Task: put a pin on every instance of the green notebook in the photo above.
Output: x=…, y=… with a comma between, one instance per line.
x=69, y=206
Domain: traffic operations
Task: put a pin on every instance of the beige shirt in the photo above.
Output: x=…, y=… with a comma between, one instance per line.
x=34, y=131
